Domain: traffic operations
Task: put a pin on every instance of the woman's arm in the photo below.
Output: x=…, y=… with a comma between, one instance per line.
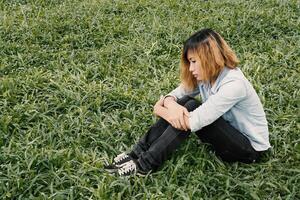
x=217, y=104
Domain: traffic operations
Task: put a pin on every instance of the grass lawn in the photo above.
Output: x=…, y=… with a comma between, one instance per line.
x=78, y=81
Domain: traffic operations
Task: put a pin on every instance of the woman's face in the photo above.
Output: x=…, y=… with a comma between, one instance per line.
x=195, y=64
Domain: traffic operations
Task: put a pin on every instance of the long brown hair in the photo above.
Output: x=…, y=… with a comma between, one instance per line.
x=214, y=54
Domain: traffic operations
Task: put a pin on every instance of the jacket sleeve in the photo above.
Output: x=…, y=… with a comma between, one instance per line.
x=179, y=92
x=217, y=104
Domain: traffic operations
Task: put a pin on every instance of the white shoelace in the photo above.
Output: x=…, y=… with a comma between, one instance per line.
x=120, y=157
x=127, y=167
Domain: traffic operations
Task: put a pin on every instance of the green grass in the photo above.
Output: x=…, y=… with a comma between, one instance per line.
x=78, y=80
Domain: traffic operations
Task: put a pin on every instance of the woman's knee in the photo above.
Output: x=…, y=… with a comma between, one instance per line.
x=183, y=100
x=191, y=105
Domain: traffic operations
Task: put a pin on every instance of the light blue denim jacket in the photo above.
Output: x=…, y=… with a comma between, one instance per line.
x=233, y=97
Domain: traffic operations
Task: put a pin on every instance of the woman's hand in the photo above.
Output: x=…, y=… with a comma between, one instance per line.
x=187, y=122
x=178, y=116
x=175, y=114
x=158, y=107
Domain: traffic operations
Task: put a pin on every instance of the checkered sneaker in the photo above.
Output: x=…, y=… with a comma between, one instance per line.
x=128, y=168
x=118, y=161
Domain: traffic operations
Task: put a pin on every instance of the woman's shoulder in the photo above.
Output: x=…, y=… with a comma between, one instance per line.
x=231, y=76
x=234, y=74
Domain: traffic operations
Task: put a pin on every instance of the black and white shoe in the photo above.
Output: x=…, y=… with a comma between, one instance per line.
x=130, y=168
x=118, y=161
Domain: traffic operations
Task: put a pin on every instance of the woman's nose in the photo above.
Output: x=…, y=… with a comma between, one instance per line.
x=191, y=68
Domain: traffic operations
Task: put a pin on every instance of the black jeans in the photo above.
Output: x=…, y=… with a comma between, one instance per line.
x=162, y=139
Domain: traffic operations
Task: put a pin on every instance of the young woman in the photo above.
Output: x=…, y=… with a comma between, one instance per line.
x=231, y=117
